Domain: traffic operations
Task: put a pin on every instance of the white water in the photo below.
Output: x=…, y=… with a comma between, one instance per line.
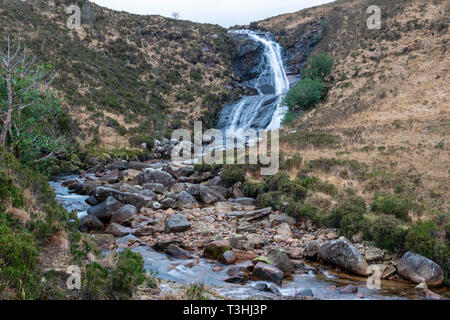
x=263, y=111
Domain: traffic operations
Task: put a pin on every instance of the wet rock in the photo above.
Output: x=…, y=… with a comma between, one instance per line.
x=147, y=231
x=90, y=223
x=240, y=242
x=168, y=203
x=280, y=259
x=343, y=254
x=304, y=292
x=185, y=200
x=349, y=289
x=101, y=193
x=228, y=257
x=312, y=249
x=256, y=241
x=163, y=245
x=267, y=272
x=105, y=210
x=178, y=223
x=238, y=274
x=156, y=176
x=418, y=268
x=214, y=249
x=92, y=201
x=124, y=214
x=155, y=187
x=177, y=252
x=117, y=230
x=373, y=254
x=245, y=201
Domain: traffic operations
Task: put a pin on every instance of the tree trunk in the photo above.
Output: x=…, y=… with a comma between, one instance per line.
x=7, y=121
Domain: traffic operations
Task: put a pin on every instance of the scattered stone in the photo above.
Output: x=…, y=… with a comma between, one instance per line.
x=169, y=203
x=283, y=233
x=178, y=223
x=295, y=253
x=343, y=254
x=312, y=249
x=117, y=230
x=281, y=218
x=149, y=195
x=101, y=193
x=240, y=242
x=418, y=269
x=228, y=257
x=129, y=175
x=235, y=214
x=147, y=231
x=256, y=214
x=245, y=201
x=214, y=249
x=256, y=241
x=267, y=272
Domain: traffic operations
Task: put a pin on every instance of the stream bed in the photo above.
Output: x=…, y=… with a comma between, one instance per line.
x=323, y=281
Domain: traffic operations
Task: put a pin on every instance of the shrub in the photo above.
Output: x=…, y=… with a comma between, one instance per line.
x=301, y=212
x=386, y=231
x=275, y=199
x=18, y=261
x=128, y=273
x=195, y=291
x=252, y=189
x=393, y=204
x=232, y=174
x=95, y=282
x=348, y=216
x=305, y=95
x=319, y=66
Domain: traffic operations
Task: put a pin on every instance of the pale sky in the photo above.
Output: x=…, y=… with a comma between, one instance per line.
x=225, y=13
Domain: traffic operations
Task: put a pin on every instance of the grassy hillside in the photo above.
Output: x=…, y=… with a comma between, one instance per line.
x=123, y=75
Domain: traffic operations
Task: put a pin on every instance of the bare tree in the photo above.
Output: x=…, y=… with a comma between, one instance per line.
x=15, y=65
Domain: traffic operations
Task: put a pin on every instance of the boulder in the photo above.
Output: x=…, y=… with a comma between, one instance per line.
x=245, y=201
x=280, y=259
x=177, y=252
x=183, y=172
x=178, y=223
x=147, y=231
x=148, y=195
x=117, y=230
x=156, y=176
x=105, y=210
x=373, y=254
x=214, y=249
x=240, y=242
x=216, y=182
x=124, y=214
x=268, y=272
x=179, y=187
x=92, y=201
x=312, y=249
x=228, y=257
x=185, y=200
x=169, y=203
x=343, y=254
x=129, y=175
x=209, y=196
x=101, y=193
x=238, y=274
x=90, y=223
x=155, y=187
x=418, y=269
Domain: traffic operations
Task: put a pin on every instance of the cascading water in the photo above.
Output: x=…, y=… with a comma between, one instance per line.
x=263, y=111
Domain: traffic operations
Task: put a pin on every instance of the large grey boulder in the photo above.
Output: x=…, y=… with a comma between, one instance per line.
x=343, y=254
x=101, y=193
x=418, y=269
x=156, y=176
x=124, y=214
x=178, y=223
x=105, y=210
x=185, y=200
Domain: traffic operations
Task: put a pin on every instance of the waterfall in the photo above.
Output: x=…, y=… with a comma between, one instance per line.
x=263, y=111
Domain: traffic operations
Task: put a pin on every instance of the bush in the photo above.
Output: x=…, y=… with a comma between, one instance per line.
x=386, y=231
x=305, y=95
x=128, y=273
x=302, y=212
x=18, y=261
x=195, y=291
x=232, y=174
x=348, y=216
x=95, y=283
x=319, y=66
x=420, y=239
x=393, y=204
